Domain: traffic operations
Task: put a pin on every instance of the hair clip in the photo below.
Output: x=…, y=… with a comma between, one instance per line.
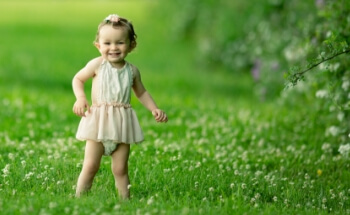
x=112, y=18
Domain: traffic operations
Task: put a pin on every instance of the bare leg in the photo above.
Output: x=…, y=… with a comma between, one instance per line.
x=120, y=159
x=92, y=159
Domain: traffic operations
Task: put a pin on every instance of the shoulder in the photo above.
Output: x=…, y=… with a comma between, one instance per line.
x=135, y=71
x=94, y=64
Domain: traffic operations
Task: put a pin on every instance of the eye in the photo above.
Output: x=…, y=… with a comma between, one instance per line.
x=121, y=42
x=107, y=43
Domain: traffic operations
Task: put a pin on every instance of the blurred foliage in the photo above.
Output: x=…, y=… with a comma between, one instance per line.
x=281, y=43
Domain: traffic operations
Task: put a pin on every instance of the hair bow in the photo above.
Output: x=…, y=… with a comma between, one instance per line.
x=112, y=18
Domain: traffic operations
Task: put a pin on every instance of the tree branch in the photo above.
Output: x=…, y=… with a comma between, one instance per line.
x=322, y=61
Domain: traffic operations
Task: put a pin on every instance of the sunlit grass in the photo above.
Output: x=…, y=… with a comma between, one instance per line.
x=222, y=152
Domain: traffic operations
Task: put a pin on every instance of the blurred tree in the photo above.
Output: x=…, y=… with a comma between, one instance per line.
x=275, y=39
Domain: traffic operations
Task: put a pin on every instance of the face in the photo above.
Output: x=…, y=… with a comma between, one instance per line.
x=114, y=45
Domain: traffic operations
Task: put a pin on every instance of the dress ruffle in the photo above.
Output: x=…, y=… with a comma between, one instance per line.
x=110, y=122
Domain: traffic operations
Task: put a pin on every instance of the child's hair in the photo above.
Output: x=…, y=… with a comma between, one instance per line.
x=117, y=21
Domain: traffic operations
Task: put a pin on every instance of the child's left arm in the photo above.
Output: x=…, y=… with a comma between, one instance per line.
x=146, y=99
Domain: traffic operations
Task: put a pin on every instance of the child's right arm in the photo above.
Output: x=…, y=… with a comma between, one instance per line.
x=79, y=79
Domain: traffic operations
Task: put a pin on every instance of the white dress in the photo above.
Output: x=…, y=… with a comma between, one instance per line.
x=111, y=119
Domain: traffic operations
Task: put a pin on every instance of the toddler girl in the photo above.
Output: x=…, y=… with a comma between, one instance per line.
x=110, y=125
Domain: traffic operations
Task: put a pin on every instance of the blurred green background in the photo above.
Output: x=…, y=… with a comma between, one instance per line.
x=219, y=68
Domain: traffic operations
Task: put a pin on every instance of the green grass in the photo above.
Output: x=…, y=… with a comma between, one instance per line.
x=222, y=151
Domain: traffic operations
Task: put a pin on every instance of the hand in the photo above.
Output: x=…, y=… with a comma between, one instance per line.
x=80, y=105
x=159, y=115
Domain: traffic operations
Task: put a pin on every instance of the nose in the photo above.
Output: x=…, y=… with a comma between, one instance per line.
x=114, y=46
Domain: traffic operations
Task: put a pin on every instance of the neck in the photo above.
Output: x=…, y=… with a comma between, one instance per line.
x=118, y=65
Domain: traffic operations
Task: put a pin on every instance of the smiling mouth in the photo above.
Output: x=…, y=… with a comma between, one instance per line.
x=114, y=54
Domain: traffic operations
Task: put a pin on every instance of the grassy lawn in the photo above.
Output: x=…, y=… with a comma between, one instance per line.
x=223, y=150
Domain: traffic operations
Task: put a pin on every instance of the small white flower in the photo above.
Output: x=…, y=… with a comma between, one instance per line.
x=333, y=130
x=211, y=189
x=275, y=198
x=257, y=196
x=6, y=170
x=150, y=200
x=322, y=94
x=344, y=150
x=345, y=85
x=52, y=205
x=129, y=186
x=243, y=186
x=11, y=156
x=232, y=185
x=341, y=116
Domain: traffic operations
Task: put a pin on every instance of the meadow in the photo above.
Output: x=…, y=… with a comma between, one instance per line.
x=223, y=151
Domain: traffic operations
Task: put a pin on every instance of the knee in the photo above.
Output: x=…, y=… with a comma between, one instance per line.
x=90, y=168
x=119, y=170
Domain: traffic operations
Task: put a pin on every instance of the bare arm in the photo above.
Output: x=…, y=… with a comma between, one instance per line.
x=146, y=99
x=79, y=79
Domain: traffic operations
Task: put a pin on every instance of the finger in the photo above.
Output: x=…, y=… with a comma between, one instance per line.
x=160, y=117
x=155, y=113
x=76, y=111
x=80, y=112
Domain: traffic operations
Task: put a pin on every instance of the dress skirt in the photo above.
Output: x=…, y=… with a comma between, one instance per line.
x=113, y=122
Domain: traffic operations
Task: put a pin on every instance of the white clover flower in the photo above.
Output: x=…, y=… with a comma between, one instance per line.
x=307, y=177
x=52, y=205
x=326, y=147
x=275, y=198
x=232, y=185
x=60, y=182
x=243, y=186
x=211, y=189
x=257, y=196
x=344, y=150
x=150, y=200
x=6, y=170
x=11, y=156
x=333, y=130
x=28, y=175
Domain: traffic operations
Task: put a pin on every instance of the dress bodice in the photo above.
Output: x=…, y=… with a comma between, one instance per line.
x=113, y=85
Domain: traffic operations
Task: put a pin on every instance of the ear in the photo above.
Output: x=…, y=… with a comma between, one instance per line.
x=97, y=45
x=133, y=45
